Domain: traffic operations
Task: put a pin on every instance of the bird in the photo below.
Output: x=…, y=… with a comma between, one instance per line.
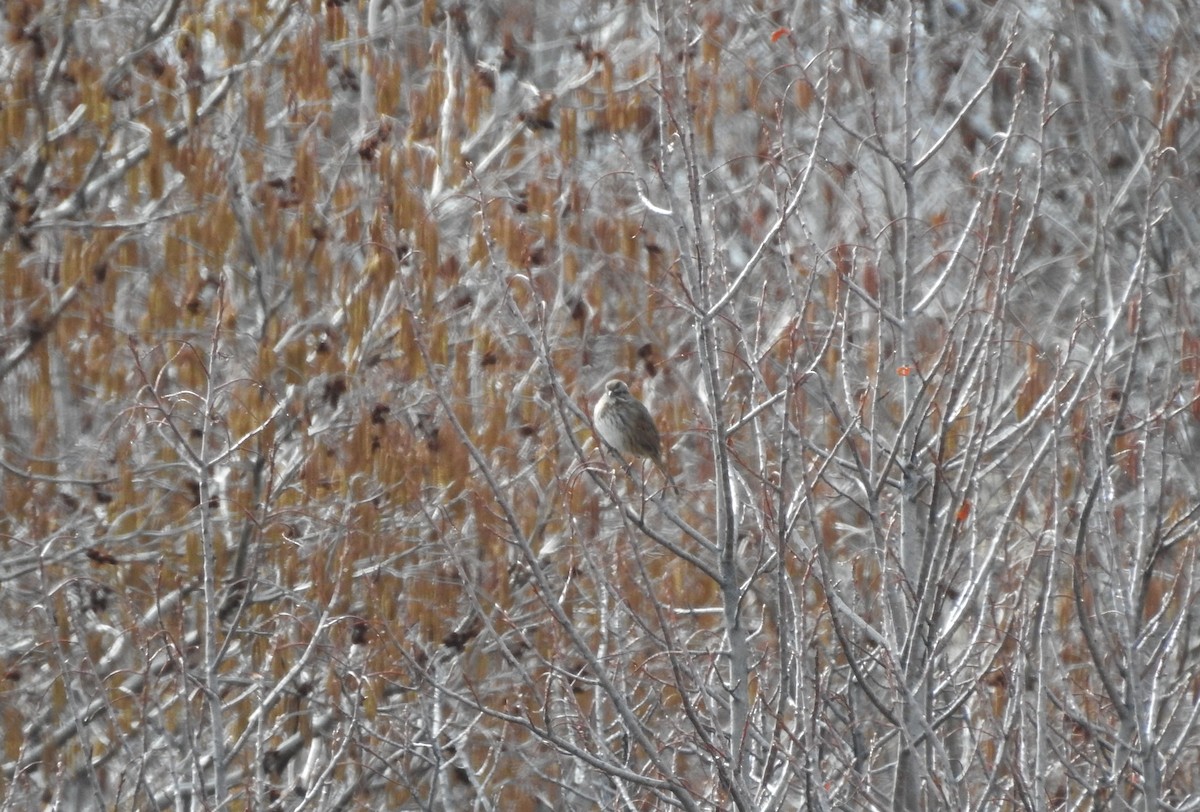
x=626, y=426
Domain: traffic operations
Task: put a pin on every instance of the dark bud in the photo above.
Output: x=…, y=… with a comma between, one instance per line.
x=334, y=389
x=99, y=556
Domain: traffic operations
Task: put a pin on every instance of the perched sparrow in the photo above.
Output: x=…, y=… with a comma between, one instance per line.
x=625, y=425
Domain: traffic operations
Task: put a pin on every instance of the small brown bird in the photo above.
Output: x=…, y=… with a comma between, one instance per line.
x=625, y=425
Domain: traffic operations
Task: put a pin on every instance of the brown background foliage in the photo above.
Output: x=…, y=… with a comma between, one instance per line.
x=305, y=306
